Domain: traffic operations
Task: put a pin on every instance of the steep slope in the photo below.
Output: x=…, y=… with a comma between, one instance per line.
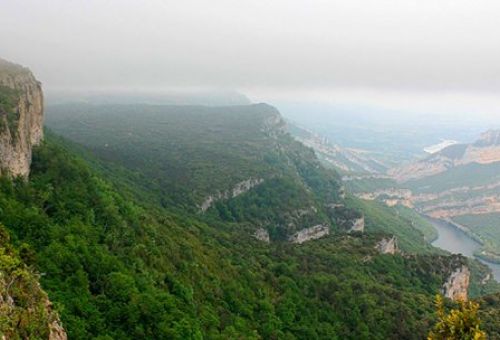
x=344, y=160
x=21, y=118
x=128, y=251
x=237, y=164
x=203, y=158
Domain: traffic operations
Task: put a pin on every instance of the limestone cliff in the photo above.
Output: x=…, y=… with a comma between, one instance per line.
x=308, y=234
x=262, y=234
x=387, y=245
x=238, y=189
x=457, y=284
x=21, y=118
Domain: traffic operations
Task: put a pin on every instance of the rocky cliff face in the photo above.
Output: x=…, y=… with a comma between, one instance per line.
x=387, y=246
x=238, y=189
x=262, y=234
x=308, y=234
x=455, y=288
x=21, y=118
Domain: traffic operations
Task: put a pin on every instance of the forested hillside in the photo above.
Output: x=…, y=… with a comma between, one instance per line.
x=126, y=249
x=125, y=270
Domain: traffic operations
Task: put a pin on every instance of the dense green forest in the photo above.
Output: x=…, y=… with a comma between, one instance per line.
x=116, y=269
x=121, y=258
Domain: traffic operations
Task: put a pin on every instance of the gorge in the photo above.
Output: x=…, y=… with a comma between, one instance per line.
x=457, y=242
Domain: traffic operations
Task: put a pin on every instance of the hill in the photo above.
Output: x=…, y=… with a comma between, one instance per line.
x=152, y=227
x=123, y=269
x=237, y=164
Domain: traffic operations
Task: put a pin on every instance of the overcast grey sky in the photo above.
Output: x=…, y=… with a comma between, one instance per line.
x=370, y=48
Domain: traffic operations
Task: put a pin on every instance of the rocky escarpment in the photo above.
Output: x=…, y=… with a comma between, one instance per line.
x=21, y=118
x=262, y=234
x=457, y=284
x=308, y=234
x=387, y=245
x=237, y=190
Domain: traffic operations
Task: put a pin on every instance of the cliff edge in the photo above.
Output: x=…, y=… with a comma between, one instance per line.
x=21, y=118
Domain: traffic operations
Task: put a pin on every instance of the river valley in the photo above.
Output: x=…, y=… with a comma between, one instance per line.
x=456, y=241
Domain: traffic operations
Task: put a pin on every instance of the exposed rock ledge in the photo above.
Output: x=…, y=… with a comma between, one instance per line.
x=8, y=306
x=262, y=234
x=237, y=190
x=455, y=288
x=358, y=224
x=308, y=234
x=387, y=245
x=56, y=330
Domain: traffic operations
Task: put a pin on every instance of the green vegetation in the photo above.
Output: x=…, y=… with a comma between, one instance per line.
x=489, y=313
x=370, y=184
x=418, y=222
x=120, y=270
x=487, y=227
x=23, y=310
x=185, y=153
x=460, y=323
x=126, y=253
x=182, y=155
x=409, y=228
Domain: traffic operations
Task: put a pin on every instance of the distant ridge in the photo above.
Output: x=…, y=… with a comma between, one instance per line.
x=486, y=150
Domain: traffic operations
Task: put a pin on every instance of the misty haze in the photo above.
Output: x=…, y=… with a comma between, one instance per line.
x=249, y=170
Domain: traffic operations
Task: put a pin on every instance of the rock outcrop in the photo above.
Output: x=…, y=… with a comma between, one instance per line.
x=457, y=284
x=348, y=220
x=262, y=234
x=56, y=330
x=358, y=224
x=308, y=234
x=387, y=245
x=21, y=118
x=24, y=306
x=237, y=190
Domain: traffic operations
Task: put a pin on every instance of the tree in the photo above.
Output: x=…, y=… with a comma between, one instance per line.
x=459, y=324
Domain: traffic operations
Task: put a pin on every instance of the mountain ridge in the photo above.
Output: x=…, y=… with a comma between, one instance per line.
x=485, y=150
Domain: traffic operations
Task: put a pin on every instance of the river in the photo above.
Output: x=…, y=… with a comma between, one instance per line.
x=457, y=242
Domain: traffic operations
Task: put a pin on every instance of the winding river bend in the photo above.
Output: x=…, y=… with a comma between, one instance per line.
x=457, y=242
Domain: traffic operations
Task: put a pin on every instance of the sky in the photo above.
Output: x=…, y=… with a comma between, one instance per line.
x=420, y=55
